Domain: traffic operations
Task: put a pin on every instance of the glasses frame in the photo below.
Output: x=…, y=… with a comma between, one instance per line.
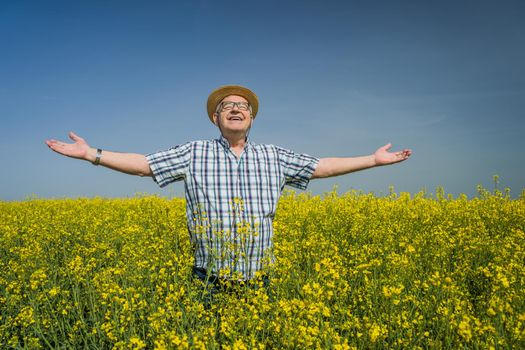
x=238, y=104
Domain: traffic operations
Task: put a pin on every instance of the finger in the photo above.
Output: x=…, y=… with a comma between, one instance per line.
x=387, y=146
x=53, y=146
x=75, y=137
x=406, y=154
x=58, y=148
x=53, y=143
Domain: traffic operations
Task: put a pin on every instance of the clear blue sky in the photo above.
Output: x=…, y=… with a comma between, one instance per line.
x=335, y=78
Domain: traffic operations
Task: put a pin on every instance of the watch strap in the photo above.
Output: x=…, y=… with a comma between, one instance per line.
x=97, y=158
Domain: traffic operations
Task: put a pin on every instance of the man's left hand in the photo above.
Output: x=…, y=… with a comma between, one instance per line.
x=383, y=157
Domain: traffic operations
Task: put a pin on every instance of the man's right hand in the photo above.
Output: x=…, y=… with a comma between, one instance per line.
x=129, y=163
x=80, y=149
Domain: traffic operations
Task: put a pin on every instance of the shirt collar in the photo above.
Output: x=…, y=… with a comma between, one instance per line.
x=224, y=142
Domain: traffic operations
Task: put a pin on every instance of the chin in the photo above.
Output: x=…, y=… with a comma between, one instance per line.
x=238, y=128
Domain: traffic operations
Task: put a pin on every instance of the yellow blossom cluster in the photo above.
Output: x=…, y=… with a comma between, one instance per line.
x=351, y=271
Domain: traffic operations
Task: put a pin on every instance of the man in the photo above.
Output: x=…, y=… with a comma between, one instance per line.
x=232, y=185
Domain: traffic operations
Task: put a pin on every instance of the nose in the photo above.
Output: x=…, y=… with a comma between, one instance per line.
x=235, y=110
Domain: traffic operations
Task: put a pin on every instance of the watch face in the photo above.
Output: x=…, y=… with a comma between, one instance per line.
x=97, y=159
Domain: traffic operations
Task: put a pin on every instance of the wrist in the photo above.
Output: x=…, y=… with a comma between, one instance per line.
x=373, y=162
x=97, y=157
x=91, y=155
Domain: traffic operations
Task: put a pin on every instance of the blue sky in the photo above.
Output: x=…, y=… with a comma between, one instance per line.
x=334, y=78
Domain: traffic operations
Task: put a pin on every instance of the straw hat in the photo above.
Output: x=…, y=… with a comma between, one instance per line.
x=220, y=93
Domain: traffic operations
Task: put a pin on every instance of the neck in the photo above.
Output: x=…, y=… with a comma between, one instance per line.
x=236, y=140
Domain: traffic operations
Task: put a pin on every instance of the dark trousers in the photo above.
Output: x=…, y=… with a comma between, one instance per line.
x=214, y=285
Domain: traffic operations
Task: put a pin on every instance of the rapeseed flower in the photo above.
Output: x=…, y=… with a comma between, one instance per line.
x=350, y=271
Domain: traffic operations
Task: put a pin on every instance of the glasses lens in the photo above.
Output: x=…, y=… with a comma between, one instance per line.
x=227, y=105
x=243, y=106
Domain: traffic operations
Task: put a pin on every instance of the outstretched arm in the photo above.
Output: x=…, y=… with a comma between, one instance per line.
x=328, y=167
x=129, y=163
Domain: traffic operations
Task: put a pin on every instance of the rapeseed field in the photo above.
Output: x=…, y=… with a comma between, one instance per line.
x=352, y=271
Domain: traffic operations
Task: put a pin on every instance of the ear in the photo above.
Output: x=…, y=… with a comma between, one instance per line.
x=215, y=119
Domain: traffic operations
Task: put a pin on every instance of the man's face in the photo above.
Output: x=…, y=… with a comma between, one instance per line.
x=233, y=118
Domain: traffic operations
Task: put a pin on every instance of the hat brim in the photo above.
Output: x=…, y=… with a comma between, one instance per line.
x=220, y=93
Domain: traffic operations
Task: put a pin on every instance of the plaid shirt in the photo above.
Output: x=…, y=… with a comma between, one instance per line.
x=230, y=201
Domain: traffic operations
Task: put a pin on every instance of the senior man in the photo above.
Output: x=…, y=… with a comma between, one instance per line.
x=232, y=185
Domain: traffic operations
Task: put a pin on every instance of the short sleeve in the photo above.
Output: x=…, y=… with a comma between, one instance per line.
x=297, y=168
x=170, y=165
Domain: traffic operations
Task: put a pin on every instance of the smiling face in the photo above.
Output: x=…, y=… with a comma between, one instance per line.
x=233, y=119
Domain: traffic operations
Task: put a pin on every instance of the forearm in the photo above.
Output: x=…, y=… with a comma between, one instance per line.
x=129, y=163
x=328, y=167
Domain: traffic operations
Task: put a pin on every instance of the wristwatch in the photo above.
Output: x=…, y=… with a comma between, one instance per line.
x=97, y=158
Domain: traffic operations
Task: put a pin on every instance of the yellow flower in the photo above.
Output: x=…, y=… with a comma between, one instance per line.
x=464, y=328
x=54, y=291
x=374, y=332
x=137, y=343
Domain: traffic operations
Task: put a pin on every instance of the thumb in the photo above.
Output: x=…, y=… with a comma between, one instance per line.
x=75, y=137
x=387, y=146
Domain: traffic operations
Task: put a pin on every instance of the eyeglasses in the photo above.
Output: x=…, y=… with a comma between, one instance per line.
x=243, y=106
